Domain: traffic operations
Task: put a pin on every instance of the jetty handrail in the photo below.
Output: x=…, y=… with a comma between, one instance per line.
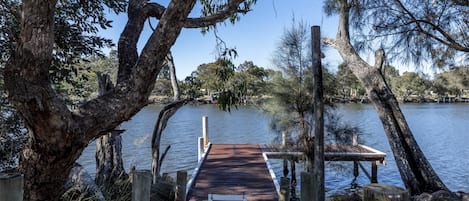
x=196, y=172
x=271, y=171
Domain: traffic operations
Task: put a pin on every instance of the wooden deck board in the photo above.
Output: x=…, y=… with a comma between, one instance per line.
x=234, y=169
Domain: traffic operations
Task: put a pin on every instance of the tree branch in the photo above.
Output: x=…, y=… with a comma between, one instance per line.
x=140, y=71
x=127, y=45
x=448, y=41
x=230, y=9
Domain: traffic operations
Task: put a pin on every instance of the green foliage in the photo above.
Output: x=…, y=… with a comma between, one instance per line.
x=249, y=80
x=411, y=30
x=452, y=82
x=410, y=83
x=84, y=85
x=291, y=105
x=210, y=7
x=191, y=86
x=214, y=75
x=349, y=85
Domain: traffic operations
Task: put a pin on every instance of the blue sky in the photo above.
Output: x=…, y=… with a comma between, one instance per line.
x=255, y=36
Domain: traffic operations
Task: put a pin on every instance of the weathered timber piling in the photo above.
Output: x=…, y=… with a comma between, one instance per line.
x=201, y=148
x=205, y=130
x=383, y=192
x=284, y=189
x=318, y=157
x=306, y=185
x=141, y=185
x=11, y=187
x=181, y=181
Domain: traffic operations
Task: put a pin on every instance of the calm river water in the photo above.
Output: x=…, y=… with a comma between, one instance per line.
x=442, y=131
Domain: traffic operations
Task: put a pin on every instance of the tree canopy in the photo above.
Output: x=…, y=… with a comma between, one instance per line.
x=419, y=31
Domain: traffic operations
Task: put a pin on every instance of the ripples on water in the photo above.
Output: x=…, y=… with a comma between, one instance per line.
x=442, y=131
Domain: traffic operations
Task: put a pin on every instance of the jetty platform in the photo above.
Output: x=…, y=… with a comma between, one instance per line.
x=242, y=172
x=233, y=170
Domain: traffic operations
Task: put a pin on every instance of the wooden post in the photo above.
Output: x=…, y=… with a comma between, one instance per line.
x=355, y=169
x=318, y=158
x=141, y=185
x=284, y=189
x=284, y=140
x=284, y=146
x=293, y=179
x=205, y=130
x=11, y=187
x=201, y=149
x=355, y=139
x=181, y=181
x=355, y=163
x=306, y=186
x=374, y=171
x=382, y=192
x=285, y=167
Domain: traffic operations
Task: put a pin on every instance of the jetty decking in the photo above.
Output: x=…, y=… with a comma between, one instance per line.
x=234, y=169
x=241, y=169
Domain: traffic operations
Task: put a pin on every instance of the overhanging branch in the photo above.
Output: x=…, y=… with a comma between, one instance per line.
x=229, y=10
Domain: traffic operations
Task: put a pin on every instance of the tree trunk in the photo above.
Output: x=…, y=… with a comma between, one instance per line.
x=172, y=75
x=416, y=172
x=46, y=167
x=58, y=135
x=109, y=164
x=167, y=112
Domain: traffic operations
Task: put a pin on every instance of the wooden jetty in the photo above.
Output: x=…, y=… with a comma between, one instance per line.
x=234, y=170
x=241, y=172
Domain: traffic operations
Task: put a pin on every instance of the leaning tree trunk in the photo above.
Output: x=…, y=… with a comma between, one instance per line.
x=167, y=112
x=416, y=172
x=109, y=164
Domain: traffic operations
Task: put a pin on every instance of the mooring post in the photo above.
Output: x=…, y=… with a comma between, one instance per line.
x=355, y=163
x=141, y=185
x=284, y=189
x=205, y=130
x=374, y=171
x=355, y=139
x=284, y=147
x=11, y=187
x=293, y=178
x=355, y=169
x=383, y=192
x=318, y=105
x=181, y=181
x=200, y=149
x=306, y=184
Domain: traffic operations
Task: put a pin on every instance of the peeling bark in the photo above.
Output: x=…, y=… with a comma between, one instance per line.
x=416, y=172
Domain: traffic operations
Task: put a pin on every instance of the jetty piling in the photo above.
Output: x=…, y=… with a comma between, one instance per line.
x=11, y=187
x=141, y=185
